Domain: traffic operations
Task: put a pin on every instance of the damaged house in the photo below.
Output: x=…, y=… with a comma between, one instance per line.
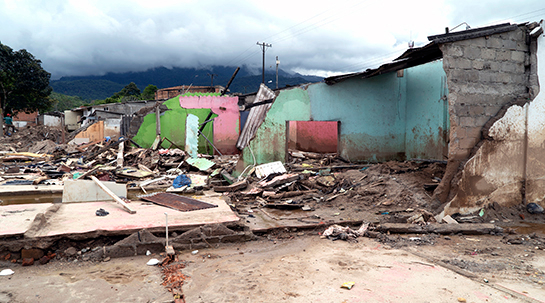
x=473, y=108
x=466, y=97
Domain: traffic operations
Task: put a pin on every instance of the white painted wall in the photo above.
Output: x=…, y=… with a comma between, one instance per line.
x=52, y=120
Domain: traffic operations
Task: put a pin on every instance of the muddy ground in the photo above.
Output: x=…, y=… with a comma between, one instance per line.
x=295, y=264
x=302, y=267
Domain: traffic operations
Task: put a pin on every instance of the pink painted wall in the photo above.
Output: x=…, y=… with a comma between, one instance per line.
x=226, y=125
x=315, y=136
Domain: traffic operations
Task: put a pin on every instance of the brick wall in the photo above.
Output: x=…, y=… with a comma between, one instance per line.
x=483, y=74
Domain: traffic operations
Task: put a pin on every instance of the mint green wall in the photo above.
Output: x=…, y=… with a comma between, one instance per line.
x=427, y=122
x=386, y=117
x=372, y=115
x=269, y=143
x=173, y=127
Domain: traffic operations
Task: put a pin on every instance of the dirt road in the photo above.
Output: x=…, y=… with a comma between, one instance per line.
x=296, y=268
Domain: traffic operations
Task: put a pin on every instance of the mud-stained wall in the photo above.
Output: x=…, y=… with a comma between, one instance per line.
x=510, y=164
x=483, y=74
x=387, y=117
x=269, y=143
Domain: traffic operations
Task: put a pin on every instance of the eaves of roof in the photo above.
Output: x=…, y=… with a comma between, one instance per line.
x=473, y=33
x=411, y=57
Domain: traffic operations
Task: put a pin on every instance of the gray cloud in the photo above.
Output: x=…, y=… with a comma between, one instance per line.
x=95, y=37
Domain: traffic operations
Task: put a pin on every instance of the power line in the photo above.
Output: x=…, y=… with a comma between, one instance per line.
x=263, y=46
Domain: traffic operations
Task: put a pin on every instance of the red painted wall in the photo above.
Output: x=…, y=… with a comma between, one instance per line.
x=314, y=136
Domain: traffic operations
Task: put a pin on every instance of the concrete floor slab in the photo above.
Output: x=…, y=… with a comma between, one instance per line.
x=16, y=219
x=80, y=218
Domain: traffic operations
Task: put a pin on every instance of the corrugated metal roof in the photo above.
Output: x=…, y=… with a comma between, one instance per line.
x=473, y=33
x=411, y=57
x=256, y=117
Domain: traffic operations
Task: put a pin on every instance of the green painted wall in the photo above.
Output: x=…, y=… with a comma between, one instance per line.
x=269, y=143
x=427, y=121
x=386, y=117
x=173, y=127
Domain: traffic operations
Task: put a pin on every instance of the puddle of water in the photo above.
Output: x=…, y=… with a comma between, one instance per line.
x=283, y=213
x=529, y=228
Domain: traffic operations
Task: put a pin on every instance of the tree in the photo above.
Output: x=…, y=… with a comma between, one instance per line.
x=149, y=92
x=63, y=102
x=24, y=84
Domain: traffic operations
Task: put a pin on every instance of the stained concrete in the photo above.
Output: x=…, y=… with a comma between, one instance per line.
x=79, y=219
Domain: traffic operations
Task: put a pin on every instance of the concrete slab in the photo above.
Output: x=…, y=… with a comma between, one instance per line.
x=89, y=191
x=8, y=190
x=16, y=219
x=80, y=218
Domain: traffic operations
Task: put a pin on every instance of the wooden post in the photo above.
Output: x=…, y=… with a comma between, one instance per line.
x=114, y=196
x=120, y=154
x=157, y=119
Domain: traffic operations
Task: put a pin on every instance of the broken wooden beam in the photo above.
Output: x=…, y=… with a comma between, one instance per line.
x=233, y=187
x=120, y=154
x=466, y=229
x=114, y=196
x=290, y=194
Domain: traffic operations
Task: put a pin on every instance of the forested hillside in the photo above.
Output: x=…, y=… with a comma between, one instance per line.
x=101, y=87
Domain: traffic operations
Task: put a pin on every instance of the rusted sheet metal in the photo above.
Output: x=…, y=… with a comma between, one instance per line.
x=177, y=202
x=256, y=117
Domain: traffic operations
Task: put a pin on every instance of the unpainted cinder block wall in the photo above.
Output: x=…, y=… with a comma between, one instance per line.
x=483, y=74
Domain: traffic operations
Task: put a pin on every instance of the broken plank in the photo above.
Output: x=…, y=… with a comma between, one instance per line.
x=114, y=196
x=466, y=229
x=233, y=187
x=290, y=194
x=120, y=154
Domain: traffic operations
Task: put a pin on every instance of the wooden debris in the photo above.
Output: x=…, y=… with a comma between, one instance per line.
x=233, y=187
x=114, y=196
x=466, y=229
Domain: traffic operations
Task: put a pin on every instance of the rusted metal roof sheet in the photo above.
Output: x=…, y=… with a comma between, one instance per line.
x=411, y=57
x=473, y=33
x=177, y=202
x=256, y=117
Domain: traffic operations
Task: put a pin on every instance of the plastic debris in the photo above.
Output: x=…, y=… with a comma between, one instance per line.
x=6, y=272
x=181, y=180
x=348, y=285
x=101, y=212
x=148, y=253
x=336, y=232
x=481, y=213
x=534, y=208
x=153, y=262
x=194, y=252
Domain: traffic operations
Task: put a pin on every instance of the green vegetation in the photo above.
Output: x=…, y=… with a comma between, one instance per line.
x=24, y=84
x=63, y=102
x=130, y=92
x=102, y=87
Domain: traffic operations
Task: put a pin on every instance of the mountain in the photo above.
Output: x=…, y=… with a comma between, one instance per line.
x=101, y=87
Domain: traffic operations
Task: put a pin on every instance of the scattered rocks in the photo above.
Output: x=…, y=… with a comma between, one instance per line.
x=71, y=251
x=33, y=253
x=28, y=262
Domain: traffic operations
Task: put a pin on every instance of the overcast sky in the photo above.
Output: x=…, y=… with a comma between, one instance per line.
x=79, y=37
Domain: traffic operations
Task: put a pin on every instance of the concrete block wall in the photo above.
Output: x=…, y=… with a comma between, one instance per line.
x=483, y=74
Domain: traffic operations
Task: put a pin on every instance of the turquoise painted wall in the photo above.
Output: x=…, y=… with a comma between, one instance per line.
x=269, y=143
x=372, y=115
x=427, y=122
x=387, y=117
x=173, y=127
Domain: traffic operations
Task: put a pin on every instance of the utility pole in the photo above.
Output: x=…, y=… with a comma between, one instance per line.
x=263, y=47
x=277, y=63
x=211, y=78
